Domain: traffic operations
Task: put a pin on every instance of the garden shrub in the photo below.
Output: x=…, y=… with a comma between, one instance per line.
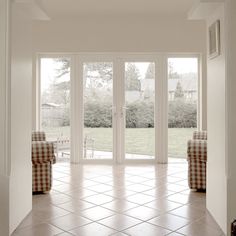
x=140, y=114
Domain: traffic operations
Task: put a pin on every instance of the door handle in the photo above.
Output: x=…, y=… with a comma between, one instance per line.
x=114, y=110
x=122, y=111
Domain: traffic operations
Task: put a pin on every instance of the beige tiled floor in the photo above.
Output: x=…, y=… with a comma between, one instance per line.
x=94, y=200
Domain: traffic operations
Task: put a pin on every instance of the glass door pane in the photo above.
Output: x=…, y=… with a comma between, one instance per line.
x=55, y=102
x=183, y=100
x=98, y=104
x=139, y=110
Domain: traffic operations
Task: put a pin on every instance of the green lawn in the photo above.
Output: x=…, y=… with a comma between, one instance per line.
x=138, y=141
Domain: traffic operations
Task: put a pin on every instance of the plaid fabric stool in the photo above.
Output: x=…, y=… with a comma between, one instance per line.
x=197, y=160
x=42, y=159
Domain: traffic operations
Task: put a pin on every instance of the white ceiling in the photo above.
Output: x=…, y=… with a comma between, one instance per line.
x=77, y=8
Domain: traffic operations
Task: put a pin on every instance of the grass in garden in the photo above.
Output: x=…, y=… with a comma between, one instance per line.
x=138, y=140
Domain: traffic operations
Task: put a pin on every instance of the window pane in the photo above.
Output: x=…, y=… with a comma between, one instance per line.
x=98, y=102
x=55, y=102
x=139, y=110
x=183, y=100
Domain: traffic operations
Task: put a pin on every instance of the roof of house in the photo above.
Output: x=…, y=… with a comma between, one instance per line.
x=188, y=84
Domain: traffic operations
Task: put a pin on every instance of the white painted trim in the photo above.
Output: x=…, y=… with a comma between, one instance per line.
x=5, y=86
x=120, y=104
x=37, y=94
x=80, y=110
x=73, y=111
x=200, y=95
x=162, y=92
x=116, y=137
x=199, y=82
x=90, y=59
x=37, y=91
x=137, y=58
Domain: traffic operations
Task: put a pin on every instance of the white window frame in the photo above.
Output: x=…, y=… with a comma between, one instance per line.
x=118, y=60
x=199, y=87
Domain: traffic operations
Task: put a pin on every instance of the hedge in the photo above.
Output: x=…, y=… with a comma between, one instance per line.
x=140, y=114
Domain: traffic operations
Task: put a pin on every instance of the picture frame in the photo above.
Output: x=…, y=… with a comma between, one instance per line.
x=214, y=39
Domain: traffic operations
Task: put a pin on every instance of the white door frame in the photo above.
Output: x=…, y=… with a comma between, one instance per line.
x=90, y=58
x=138, y=58
x=118, y=60
x=199, y=91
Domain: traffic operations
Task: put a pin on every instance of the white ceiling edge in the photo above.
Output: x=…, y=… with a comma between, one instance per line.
x=32, y=9
x=203, y=9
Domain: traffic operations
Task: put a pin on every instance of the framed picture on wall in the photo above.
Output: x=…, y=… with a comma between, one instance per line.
x=214, y=39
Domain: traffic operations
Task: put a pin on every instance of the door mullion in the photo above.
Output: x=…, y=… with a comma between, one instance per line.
x=162, y=111
x=119, y=77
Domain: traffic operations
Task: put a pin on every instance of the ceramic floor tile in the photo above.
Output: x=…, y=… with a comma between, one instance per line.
x=158, y=193
x=169, y=221
x=140, y=198
x=137, y=179
x=199, y=229
x=64, y=188
x=131, y=199
x=100, y=188
x=209, y=221
x=97, y=213
x=119, y=234
x=59, y=199
x=200, y=205
x=151, y=183
x=49, y=212
x=93, y=229
x=189, y=212
x=163, y=205
x=98, y=199
x=102, y=179
x=119, y=205
x=30, y=220
x=138, y=187
x=39, y=230
x=81, y=193
x=120, y=193
x=119, y=222
x=76, y=205
x=179, y=198
x=87, y=183
x=146, y=229
x=142, y=213
x=176, y=234
x=176, y=188
x=69, y=222
x=64, y=234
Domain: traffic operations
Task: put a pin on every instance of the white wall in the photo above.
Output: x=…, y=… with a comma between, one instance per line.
x=21, y=96
x=231, y=109
x=216, y=164
x=124, y=34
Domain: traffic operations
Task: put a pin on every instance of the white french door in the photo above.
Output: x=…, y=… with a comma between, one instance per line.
x=117, y=112
x=138, y=113
x=119, y=106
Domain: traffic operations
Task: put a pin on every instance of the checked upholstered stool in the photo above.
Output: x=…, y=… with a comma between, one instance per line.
x=42, y=159
x=197, y=160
